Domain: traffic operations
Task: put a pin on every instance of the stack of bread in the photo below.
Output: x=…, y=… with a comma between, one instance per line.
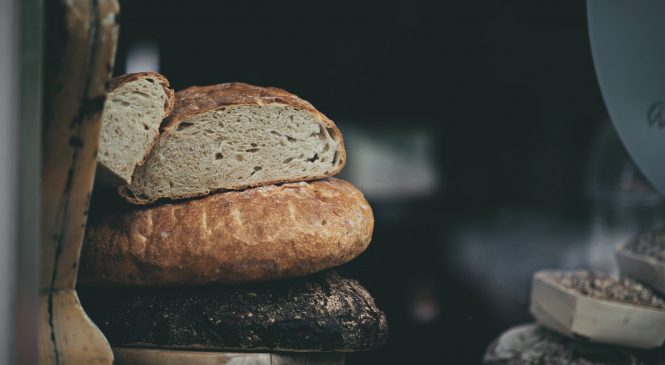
x=590, y=317
x=226, y=230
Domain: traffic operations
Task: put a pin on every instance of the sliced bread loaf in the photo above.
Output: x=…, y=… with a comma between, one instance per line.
x=134, y=109
x=258, y=234
x=234, y=136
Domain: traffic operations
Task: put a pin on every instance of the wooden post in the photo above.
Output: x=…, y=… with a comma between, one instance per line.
x=80, y=44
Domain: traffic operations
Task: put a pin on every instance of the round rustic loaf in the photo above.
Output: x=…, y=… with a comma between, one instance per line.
x=259, y=234
x=321, y=312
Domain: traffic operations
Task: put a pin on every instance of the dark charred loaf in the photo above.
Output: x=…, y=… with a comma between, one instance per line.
x=322, y=312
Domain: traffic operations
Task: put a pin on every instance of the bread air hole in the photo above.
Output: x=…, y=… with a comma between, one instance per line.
x=145, y=126
x=287, y=160
x=184, y=125
x=256, y=168
x=240, y=157
x=313, y=158
x=290, y=139
x=252, y=150
x=218, y=156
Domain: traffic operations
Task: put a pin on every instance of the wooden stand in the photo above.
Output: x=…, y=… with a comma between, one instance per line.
x=130, y=356
x=81, y=38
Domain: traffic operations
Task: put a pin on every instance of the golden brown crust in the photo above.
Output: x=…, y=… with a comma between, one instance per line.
x=116, y=82
x=200, y=99
x=258, y=234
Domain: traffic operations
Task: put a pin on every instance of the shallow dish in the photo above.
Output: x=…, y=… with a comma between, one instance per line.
x=575, y=315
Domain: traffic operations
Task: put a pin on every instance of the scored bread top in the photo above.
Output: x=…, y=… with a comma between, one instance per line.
x=199, y=99
x=118, y=81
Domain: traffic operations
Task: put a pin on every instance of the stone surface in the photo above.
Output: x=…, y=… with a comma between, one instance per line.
x=533, y=345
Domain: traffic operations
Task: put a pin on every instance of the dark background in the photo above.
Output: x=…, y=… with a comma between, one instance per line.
x=528, y=172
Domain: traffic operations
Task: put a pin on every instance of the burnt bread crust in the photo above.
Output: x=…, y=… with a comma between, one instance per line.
x=321, y=312
x=150, y=183
x=258, y=234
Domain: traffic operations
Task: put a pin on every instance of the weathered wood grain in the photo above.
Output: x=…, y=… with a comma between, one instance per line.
x=80, y=44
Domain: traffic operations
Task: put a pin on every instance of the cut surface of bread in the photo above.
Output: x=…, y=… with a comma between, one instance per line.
x=234, y=136
x=259, y=234
x=134, y=109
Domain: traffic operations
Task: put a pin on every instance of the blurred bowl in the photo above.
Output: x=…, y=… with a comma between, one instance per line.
x=642, y=268
x=575, y=315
